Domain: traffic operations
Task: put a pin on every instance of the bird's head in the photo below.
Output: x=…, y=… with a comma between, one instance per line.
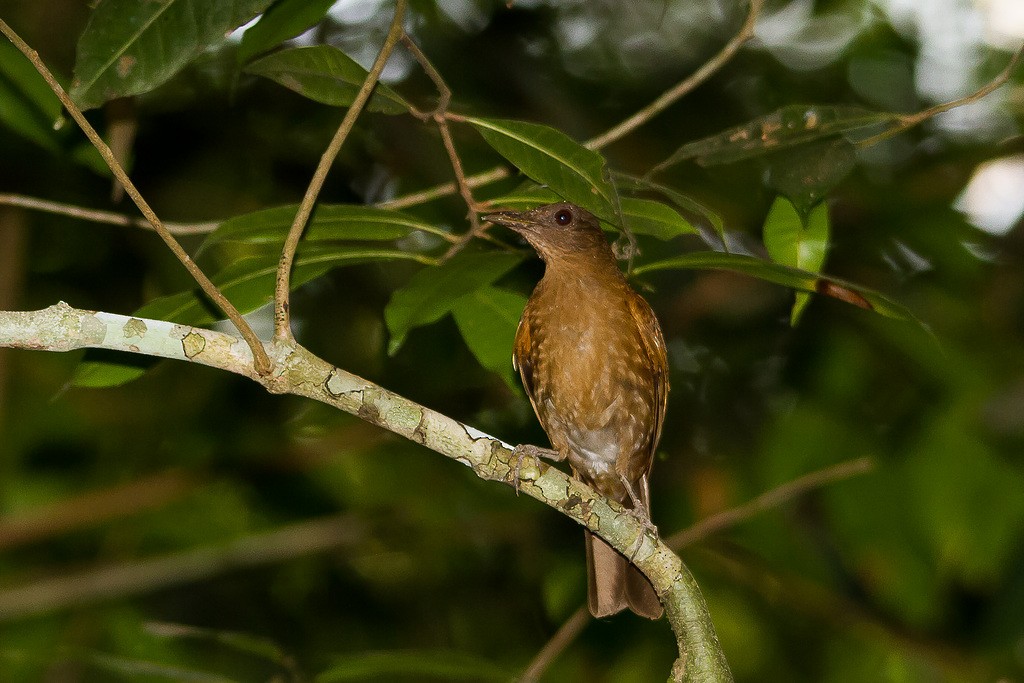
x=556, y=230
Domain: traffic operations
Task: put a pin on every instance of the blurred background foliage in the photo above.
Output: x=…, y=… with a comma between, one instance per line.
x=188, y=525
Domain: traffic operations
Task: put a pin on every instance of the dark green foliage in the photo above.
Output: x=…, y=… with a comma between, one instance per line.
x=192, y=527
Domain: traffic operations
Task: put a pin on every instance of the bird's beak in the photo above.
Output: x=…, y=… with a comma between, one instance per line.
x=510, y=219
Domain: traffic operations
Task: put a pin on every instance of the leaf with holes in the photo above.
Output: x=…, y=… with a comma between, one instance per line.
x=132, y=46
x=791, y=125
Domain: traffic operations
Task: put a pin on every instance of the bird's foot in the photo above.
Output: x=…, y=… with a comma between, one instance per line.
x=641, y=515
x=530, y=471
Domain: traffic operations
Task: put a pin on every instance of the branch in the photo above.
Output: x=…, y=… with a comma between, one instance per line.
x=792, y=593
x=262, y=363
x=282, y=316
x=150, y=574
x=440, y=119
x=566, y=633
x=772, y=498
x=908, y=121
x=444, y=189
x=98, y=216
x=613, y=134
x=574, y=625
x=93, y=507
x=684, y=87
x=300, y=373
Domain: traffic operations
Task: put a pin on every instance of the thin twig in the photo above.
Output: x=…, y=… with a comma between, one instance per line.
x=611, y=135
x=443, y=91
x=440, y=119
x=445, y=189
x=94, y=507
x=282, y=316
x=907, y=121
x=460, y=176
x=556, y=645
x=99, y=216
x=769, y=500
x=260, y=359
x=708, y=526
x=685, y=86
x=189, y=566
x=797, y=594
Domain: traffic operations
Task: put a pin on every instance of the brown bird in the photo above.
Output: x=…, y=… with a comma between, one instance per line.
x=592, y=359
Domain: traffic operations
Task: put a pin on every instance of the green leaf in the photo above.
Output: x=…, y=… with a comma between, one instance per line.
x=140, y=669
x=132, y=46
x=432, y=292
x=327, y=75
x=552, y=158
x=421, y=664
x=647, y=217
x=797, y=241
x=687, y=204
x=487, y=320
x=329, y=222
x=791, y=125
x=89, y=157
x=805, y=174
x=248, y=284
x=27, y=105
x=285, y=19
x=525, y=198
x=641, y=216
x=246, y=643
x=957, y=476
x=794, y=241
x=783, y=275
x=101, y=368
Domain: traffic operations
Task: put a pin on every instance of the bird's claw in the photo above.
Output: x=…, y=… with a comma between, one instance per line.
x=649, y=530
x=531, y=471
x=642, y=515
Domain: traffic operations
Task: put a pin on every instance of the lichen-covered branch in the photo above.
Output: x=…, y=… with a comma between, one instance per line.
x=204, y=282
x=296, y=371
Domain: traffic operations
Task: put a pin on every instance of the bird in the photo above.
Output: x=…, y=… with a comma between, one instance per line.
x=592, y=358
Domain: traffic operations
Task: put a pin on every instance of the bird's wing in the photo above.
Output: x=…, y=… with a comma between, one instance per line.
x=653, y=344
x=522, y=358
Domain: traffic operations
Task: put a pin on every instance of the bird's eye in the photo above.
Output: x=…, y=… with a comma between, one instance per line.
x=563, y=217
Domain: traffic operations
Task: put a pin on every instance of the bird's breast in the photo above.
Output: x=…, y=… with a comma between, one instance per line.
x=592, y=383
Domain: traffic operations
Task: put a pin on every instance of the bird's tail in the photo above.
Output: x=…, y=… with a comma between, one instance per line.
x=614, y=583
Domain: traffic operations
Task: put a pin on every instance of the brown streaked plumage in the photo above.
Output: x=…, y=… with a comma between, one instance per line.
x=592, y=359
